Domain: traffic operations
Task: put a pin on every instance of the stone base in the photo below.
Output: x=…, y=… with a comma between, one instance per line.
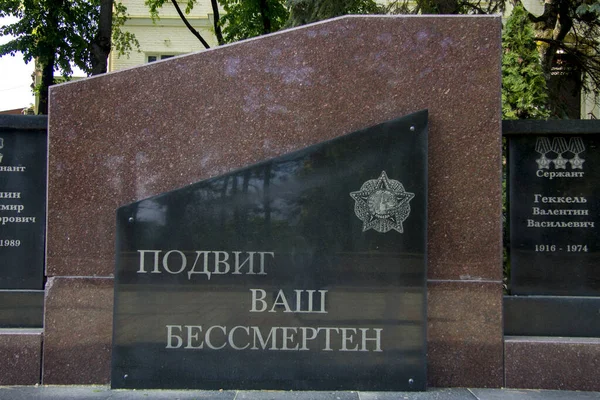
x=464, y=337
x=21, y=355
x=78, y=329
x=552, y=363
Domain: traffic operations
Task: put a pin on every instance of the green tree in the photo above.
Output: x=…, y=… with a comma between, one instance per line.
x=244, y=19
x=61, y=33
x=101, y=45
x=307, y=11
x=569, y=36
x=524, y=90
x=156, y=5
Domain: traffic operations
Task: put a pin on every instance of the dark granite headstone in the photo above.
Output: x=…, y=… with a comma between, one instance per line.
x=23, y=142
x=554, y=214
x=565, y=316
x=307, y=271
x=21, y=308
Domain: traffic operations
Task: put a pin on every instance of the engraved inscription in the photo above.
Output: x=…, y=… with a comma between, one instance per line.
x=566, y=154
x=22, y=202
x=560, y=157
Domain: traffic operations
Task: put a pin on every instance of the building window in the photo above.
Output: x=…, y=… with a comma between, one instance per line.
x=157, y=57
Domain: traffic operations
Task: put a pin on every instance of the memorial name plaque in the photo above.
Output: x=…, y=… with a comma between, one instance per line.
x=554, y=214
x=304, y=272
x=22, y=207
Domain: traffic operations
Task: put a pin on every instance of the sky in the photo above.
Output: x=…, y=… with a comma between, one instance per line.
x=15, y=78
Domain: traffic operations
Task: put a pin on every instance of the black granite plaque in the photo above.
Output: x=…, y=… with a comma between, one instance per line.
x=554, y=215
x=568, y=316
x=22, y=202
x=303, y=272
x=21, y=308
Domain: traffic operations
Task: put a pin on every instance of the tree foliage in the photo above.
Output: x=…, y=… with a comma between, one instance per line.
x=569, y=36
x=244, y=19
x=524, y=90
x=471, y=7
x=156, y=5
x=50, y=30
x=58, y=34
x=307, y=11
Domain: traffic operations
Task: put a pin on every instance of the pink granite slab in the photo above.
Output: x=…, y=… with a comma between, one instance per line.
x=121, y=137
x=552, y=363
x=464, y=334
x=21, y=355
x=77, y=331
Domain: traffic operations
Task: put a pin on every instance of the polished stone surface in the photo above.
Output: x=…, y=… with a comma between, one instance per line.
x=198, y=116
x=21, y=308
x=568, y=316
x=24, y=122
x=77, y=330
x=21, y=355
x=22, y=203
x=552, y=127
x=554, y=214
x=323, y=250
x=277, y=94
x=552, y=363
x=465, y=334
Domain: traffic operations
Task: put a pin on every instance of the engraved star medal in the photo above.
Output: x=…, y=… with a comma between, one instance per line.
x=382, y=204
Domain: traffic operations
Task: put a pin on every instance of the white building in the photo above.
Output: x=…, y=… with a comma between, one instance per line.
x=165, y=37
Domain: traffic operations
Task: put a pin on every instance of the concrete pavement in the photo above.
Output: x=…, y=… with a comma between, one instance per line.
x=105, y=393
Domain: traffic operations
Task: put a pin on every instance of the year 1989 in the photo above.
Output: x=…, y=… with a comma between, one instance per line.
x=10, y=243
x=570, y=248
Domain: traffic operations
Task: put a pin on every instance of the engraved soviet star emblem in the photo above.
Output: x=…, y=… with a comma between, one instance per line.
x=576, y=162
x=560, y=162
x=382, y=204
x=543, y=162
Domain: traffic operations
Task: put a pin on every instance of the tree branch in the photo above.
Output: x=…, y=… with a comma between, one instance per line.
x=189, y=26
x=264, y=10
x=217, y=25
x=100, y=47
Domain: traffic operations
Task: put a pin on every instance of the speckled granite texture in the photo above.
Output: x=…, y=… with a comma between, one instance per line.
x=21, y=355
x=122, y=137
x=78, y=331
x=464, y=326
x=552, y=363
